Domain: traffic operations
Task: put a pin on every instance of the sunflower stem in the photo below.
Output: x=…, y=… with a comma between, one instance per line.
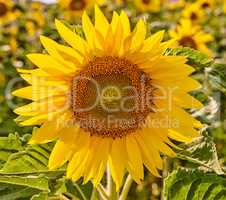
x=111, y=186
x=102, y=192
x=126, y=188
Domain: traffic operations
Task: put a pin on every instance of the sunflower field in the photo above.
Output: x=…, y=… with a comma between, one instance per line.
x=113, y=99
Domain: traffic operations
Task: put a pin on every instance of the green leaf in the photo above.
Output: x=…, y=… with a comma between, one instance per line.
x=18, y=187
x=75, y=189
x=33, y=159
x=16, y=192
x=185, y=184
x=82, y=192
x=195, y=58
x=217, y=77
x=40, y=183
x=9, y=145
x=201, y=152
x=40, y=196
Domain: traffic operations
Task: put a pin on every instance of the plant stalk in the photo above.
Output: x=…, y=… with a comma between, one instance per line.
x=126, y=188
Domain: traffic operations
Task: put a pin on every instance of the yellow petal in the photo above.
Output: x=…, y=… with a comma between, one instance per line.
x=151, y=158
x=72, y=38
x=114, y=21
x=40, y=119
x=101, y=23
x=43, y=106
x=125, y=24
x=117, y=160
x=37, y=92
x=63, y=54
x=59, y=155
x=153, y=42
x=187, y=101
x=49, y=65
x=138, y=35
x=135, y=163
x=25, y=92
x=77, y=162
x=89, y=29
x=46, y=133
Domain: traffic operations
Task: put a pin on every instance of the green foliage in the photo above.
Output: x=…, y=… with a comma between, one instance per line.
x=192, y=184
x=217, y=76
x=202, y=153
x=33, y=158
x=195, y=58
x=9, y=145
x=24, y=172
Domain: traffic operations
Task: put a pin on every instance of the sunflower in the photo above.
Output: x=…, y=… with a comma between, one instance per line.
x=120, y=2
x=76, y=7
x=206, y=4
x=6, y=12
x=192, y=36
x=36, y=19
x=148, y=5
x=193, y=12
x=36, y=15
x=111, y=98
x=174, y=4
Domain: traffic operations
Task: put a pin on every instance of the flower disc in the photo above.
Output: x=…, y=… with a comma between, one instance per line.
x=77, y=5
x=109, y=97
x=3, y=9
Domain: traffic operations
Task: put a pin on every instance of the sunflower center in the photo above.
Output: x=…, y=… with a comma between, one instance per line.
x=193, y=16
x=146, y=1
x=188, y=42
x=109, y=97
x=77, y=5
x=3, y=9
x=205, y=5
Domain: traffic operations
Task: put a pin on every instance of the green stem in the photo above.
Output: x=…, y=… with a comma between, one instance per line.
x=80, y=192
x=111, y=186
x=126, y=188
x=94, y=195
x=102, y=192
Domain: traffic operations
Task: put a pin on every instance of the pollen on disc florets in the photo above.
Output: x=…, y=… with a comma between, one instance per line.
x=109, y=97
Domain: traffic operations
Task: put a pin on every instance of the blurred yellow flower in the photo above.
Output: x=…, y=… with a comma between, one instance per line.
x=174, y=4
x=193, y=13
x=13, y=44
x=37, y=13
x=117, y=59
x=36, y=6
x=35, y=18
x=189, y=35
x=206, y=4
x=75, y=8
x=31, y=28
x=120, y=2
x=148, y=5
x=6, y=12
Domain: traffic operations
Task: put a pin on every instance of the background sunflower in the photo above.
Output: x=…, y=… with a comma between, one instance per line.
x=192, y=36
